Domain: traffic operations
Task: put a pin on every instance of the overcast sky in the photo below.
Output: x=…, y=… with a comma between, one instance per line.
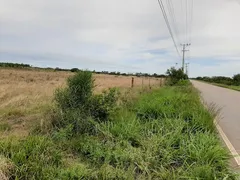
x=117, y=35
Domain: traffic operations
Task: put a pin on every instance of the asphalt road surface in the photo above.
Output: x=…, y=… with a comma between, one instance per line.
x=229, y=102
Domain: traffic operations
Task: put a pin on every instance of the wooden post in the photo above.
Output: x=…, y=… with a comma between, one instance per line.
x=132, y=82
x=142, y=82
x=149, y=83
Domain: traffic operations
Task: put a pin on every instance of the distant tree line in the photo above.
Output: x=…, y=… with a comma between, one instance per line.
x=17, y=65
x=235, y=80
x=14, y=65
x=131, y=74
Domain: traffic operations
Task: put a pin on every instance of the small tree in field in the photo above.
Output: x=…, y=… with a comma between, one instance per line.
x=175, y=75
x=77, y=107
x=236, y=79
x=74, y=70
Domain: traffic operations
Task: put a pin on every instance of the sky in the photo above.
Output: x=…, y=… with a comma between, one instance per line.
x=126, y=36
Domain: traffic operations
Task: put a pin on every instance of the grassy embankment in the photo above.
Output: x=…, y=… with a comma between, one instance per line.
x=237, y=88
x=159, y=134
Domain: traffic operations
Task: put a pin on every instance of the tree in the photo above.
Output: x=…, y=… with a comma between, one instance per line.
x=236, y=79
x=175, y=75
x=74, y=70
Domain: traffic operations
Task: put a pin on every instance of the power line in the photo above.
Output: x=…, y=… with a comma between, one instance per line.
x=183, y=27
x=167, y=23
x=173, y=17
x=191, y=20
x=186, y=21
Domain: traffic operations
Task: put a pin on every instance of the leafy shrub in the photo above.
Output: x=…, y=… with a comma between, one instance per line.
x=175, y=75
x=79, y=107
x=236, y=79
x=183, y=82
x=74, y=70
x=102, y=105
x=78, y=92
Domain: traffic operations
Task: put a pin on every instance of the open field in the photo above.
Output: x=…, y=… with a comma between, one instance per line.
x=26, y=94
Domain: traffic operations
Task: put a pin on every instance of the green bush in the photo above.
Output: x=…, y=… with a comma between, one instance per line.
x=183, y=82
x=74, y=70
x=236, y=79
x=79, y=107
x=78, y=92
x=102, y=105
x=175, y=75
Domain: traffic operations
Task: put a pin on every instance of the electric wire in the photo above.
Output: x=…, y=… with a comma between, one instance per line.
x=191, y=20
x=186, y=21
x=173, y=17
x=168, y=24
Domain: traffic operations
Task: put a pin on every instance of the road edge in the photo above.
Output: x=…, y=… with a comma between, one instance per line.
x=229, y=145
x=227, y=142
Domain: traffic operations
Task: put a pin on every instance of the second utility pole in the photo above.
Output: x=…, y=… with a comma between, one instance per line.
x=184, y=50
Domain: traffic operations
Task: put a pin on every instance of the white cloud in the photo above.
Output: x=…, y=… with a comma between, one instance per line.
x=119, y=35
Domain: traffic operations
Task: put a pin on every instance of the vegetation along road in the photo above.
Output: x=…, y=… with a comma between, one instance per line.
x=229, y=103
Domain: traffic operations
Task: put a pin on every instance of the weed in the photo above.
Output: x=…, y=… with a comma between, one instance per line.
x=14, y=113
x=34, y=157
x=6, y=168
x=4, y=127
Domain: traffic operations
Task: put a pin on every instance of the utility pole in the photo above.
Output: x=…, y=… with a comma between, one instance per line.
x=184, y=50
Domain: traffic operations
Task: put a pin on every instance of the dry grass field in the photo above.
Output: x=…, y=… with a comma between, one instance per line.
x=25, y=95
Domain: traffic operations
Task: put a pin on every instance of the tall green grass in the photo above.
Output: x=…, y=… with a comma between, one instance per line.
x=162, y=134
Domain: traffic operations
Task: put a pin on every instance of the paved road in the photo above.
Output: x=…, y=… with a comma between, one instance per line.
x=229, y=102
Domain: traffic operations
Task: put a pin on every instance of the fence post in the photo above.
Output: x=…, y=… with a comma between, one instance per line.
x=132, y=82
x=149, y=83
